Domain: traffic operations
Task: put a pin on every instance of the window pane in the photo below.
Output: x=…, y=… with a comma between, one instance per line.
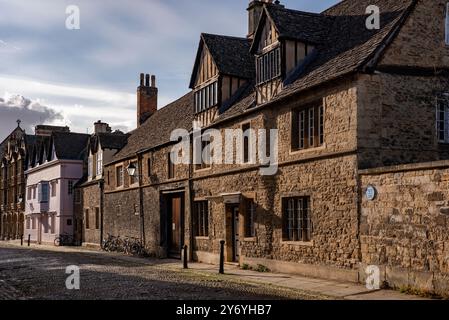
x=311, y=127
x=321, y=125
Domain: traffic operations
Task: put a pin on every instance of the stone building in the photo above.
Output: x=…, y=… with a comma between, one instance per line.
x=14, y=155
x=89, y=200
x=345, y=100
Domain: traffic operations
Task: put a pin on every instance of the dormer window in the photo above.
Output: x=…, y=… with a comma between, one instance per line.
x=206, y=97
x=269, y=66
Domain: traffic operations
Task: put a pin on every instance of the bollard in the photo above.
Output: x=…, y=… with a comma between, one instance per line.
x=185, y=257
x=222, y=243
x=21, y=240
x=29, y=240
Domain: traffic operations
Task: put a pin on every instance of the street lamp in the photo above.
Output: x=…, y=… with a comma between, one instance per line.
x=132, y=173
x=131, y=170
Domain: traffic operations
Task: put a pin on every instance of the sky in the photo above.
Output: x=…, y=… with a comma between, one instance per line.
x=52, y=75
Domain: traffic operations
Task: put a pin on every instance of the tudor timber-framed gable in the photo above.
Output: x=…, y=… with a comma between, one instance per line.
x=223, y=67
x=281, y=52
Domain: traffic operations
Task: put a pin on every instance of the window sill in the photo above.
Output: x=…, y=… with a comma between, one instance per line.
x=298, y=243
x=250, y=239
x=308, y=150
x=202, y=170
x=202, y=238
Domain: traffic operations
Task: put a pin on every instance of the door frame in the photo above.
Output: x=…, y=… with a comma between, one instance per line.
x=233, y=228
x=167, y=223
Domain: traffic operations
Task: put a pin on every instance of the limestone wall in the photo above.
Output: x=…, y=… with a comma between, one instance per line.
x=404, y=230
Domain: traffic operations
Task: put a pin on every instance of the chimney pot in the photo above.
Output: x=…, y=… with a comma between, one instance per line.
x=147, y=80
x=142, y=79
x=153, y=81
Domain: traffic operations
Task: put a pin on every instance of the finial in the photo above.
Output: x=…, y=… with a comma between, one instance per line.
x=18, y=122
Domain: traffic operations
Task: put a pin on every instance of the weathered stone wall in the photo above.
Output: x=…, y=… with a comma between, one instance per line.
x=405, y=229
x=122, y=205
x=326, y=174
x=90, y=199
x=397, y=119
x=421, y=41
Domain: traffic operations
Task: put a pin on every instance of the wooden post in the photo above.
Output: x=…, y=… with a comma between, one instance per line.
x=222, y=243
x=29, y=240
x=21, y=240
x=185, y=257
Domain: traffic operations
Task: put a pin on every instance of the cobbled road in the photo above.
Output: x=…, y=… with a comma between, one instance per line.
x=40, y=274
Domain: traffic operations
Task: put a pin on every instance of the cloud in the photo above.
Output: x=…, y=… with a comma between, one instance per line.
x=31, y=113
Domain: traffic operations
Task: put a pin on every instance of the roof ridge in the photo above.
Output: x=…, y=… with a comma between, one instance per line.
x=296, y=11
x=333, y=6
x=224, y=36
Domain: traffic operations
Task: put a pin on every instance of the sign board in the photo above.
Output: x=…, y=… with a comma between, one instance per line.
x=371, y=193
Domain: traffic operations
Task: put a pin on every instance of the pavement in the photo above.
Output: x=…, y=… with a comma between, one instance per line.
x=287, y=285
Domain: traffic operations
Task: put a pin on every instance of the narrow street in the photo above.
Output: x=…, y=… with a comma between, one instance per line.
x=40, y=274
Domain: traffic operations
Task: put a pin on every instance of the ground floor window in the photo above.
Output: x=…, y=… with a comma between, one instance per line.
x=201, y=218
x=297, y=224
x=28, y=223
x=86, y=218
x=250, y=214
x=97, y=218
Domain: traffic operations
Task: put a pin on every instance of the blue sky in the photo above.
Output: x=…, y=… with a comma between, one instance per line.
x=75, y=77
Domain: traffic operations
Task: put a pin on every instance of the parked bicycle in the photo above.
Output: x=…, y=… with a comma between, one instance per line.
x=127, y=245
x=64, y=240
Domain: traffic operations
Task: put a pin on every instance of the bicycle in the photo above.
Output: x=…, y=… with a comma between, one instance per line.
x=64, y=240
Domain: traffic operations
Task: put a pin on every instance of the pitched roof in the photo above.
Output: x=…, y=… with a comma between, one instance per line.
x=70, y=146
x=348, y=46
x=230, y=54
x=108, y=140
x=299, y=25
x=157, y=129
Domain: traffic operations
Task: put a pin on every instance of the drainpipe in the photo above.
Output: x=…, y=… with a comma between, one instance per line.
x=142, y=215
x=101, y=185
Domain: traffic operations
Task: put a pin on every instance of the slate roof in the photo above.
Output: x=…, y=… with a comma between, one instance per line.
x=70, y=146
x=230, y=54
x=108, y=140
x=157, y=129
x=300, y=25
x=348, y=46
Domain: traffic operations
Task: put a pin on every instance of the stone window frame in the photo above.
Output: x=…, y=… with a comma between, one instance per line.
x=442, y=125
x=287, y=196
x=302, y=145
x=250, y=233
x=205, y=234
x=87, y=219
x=122, y=185
x=97, y=218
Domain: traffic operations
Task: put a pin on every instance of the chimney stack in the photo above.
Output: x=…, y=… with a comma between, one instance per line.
x=146, y=98
x=101, y=127
x=255, y=10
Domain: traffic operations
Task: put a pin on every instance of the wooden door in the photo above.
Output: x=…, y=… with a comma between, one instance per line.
x=176, y=226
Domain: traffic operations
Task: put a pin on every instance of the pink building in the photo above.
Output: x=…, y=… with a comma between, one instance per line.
x=55, y=165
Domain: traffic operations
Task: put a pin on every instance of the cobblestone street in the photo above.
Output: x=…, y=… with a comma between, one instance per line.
x=40, y=274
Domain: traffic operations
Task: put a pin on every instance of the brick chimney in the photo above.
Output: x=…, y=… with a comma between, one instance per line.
x=146, y=98
x=255, y=9
x=101, y=127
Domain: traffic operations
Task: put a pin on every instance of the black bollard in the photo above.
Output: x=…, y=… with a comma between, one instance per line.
x=29, y=240
x=185, y=257
x=21, y=240
x=222, y=243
